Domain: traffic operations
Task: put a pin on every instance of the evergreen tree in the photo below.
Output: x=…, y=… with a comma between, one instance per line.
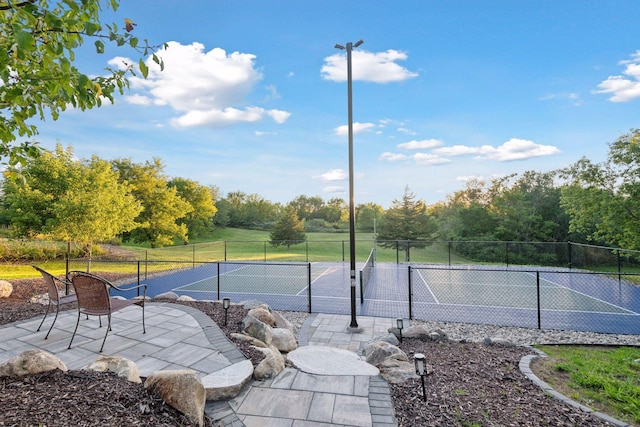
x=289, y=229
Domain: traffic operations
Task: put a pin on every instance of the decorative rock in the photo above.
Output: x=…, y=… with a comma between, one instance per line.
x=6, y=289
x=31, y=362
x=283, y=340
x=377, y=352
x=282, y=322
x=498, y=341
x=391, y=338
x=397, y=371
x=263, y=315
x=249, y=304
x=186, y=298
x=167, y=295
x=442, y=335
x=270, y=366
x=181, y=389
x=251, y=340
x=257, y=329
x=227, y=382
x=122, y=367
x=416, y=331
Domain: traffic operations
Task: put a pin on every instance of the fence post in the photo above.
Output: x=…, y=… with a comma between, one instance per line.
x=309, y=284
x=218, y=279
x=569, y=254
x=66, y=274
x=343, y=251
x=619, y=268
x=146, y=264
x=506, y=252
x=410, y=295
x=225, y=250
x=397, y=253
x=138, y=277
x=538, y=295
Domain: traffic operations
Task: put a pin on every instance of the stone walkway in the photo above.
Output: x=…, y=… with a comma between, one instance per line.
x=344, y=392
x=330, y=386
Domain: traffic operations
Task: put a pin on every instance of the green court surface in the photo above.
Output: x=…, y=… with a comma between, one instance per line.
x=257, y=279
x=506, y=289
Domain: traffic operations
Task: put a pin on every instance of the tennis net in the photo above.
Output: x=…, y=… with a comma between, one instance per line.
x=366, y=272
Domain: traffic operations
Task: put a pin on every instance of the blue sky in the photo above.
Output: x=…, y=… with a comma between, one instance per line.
x=253, y=97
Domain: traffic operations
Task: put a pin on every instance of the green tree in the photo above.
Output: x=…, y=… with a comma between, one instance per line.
x=288, y=229
x=163, y=207
x=367, y=216
x=72, y=200
x=603, y=200
x=38, y=44
x=407, y=223
x=200, y=219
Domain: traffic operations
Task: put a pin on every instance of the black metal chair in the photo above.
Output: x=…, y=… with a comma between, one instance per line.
x=55, y=299
x=94, y=299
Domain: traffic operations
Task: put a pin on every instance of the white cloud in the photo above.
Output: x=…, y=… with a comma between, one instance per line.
x=623, y=88
x=429, y=159
x=378, y=67
x=334, y=189
x=456, y=150
x=573, y=98
x=206, y=88
x=333, y=175
x=138, y=99
x=392, y=157
x=424, y=144
x=516, y=149
x=357, y=128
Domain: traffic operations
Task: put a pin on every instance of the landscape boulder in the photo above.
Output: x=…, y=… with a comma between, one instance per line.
x=397, y=371
x=226, y=383
x=282, y=322
x=122, y=367
x=270, y=366
x=376, y=353
x=257, y=329
x=31, y=362
x=182, y=389
x=420, y=332
x=263, y=315
x=6, y=289
x=283, y=340
x=167, y=295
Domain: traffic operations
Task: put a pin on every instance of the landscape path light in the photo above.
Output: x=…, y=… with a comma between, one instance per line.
x=421, y=369
x=400, y=326
x=352, y=213
x=226, y=303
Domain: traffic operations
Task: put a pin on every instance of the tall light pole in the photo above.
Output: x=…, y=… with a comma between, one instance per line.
x=352, y=210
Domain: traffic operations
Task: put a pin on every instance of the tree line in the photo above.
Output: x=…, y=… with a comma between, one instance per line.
x=90, y=201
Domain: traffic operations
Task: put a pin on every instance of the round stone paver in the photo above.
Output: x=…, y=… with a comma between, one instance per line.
x=321, y=360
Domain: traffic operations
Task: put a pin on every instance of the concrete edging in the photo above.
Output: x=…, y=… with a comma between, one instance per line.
x=525, y=368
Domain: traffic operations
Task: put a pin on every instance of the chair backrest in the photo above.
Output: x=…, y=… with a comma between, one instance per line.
x=92, y=292
x=50, y=281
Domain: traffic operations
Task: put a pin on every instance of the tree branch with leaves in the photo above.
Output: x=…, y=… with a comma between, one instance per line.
x=38, y=44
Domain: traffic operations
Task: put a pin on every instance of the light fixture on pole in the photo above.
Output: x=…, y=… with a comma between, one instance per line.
x=226, y=303
x=421, y=369
x=352, y=221
x=400, y=326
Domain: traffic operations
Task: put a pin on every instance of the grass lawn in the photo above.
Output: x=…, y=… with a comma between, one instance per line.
x=606, y=379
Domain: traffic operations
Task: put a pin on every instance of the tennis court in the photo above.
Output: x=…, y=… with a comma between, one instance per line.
x=544, y=298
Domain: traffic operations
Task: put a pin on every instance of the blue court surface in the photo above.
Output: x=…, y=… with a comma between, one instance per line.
x=551, y=299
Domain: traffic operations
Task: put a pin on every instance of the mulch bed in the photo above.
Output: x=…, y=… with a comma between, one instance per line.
x=472, y=385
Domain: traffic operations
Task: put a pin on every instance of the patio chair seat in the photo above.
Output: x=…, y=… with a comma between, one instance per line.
x=94, y=299
x=54, y=296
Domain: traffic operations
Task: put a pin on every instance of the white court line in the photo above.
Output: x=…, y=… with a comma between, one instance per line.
x=428, y=288
x=588, y=296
